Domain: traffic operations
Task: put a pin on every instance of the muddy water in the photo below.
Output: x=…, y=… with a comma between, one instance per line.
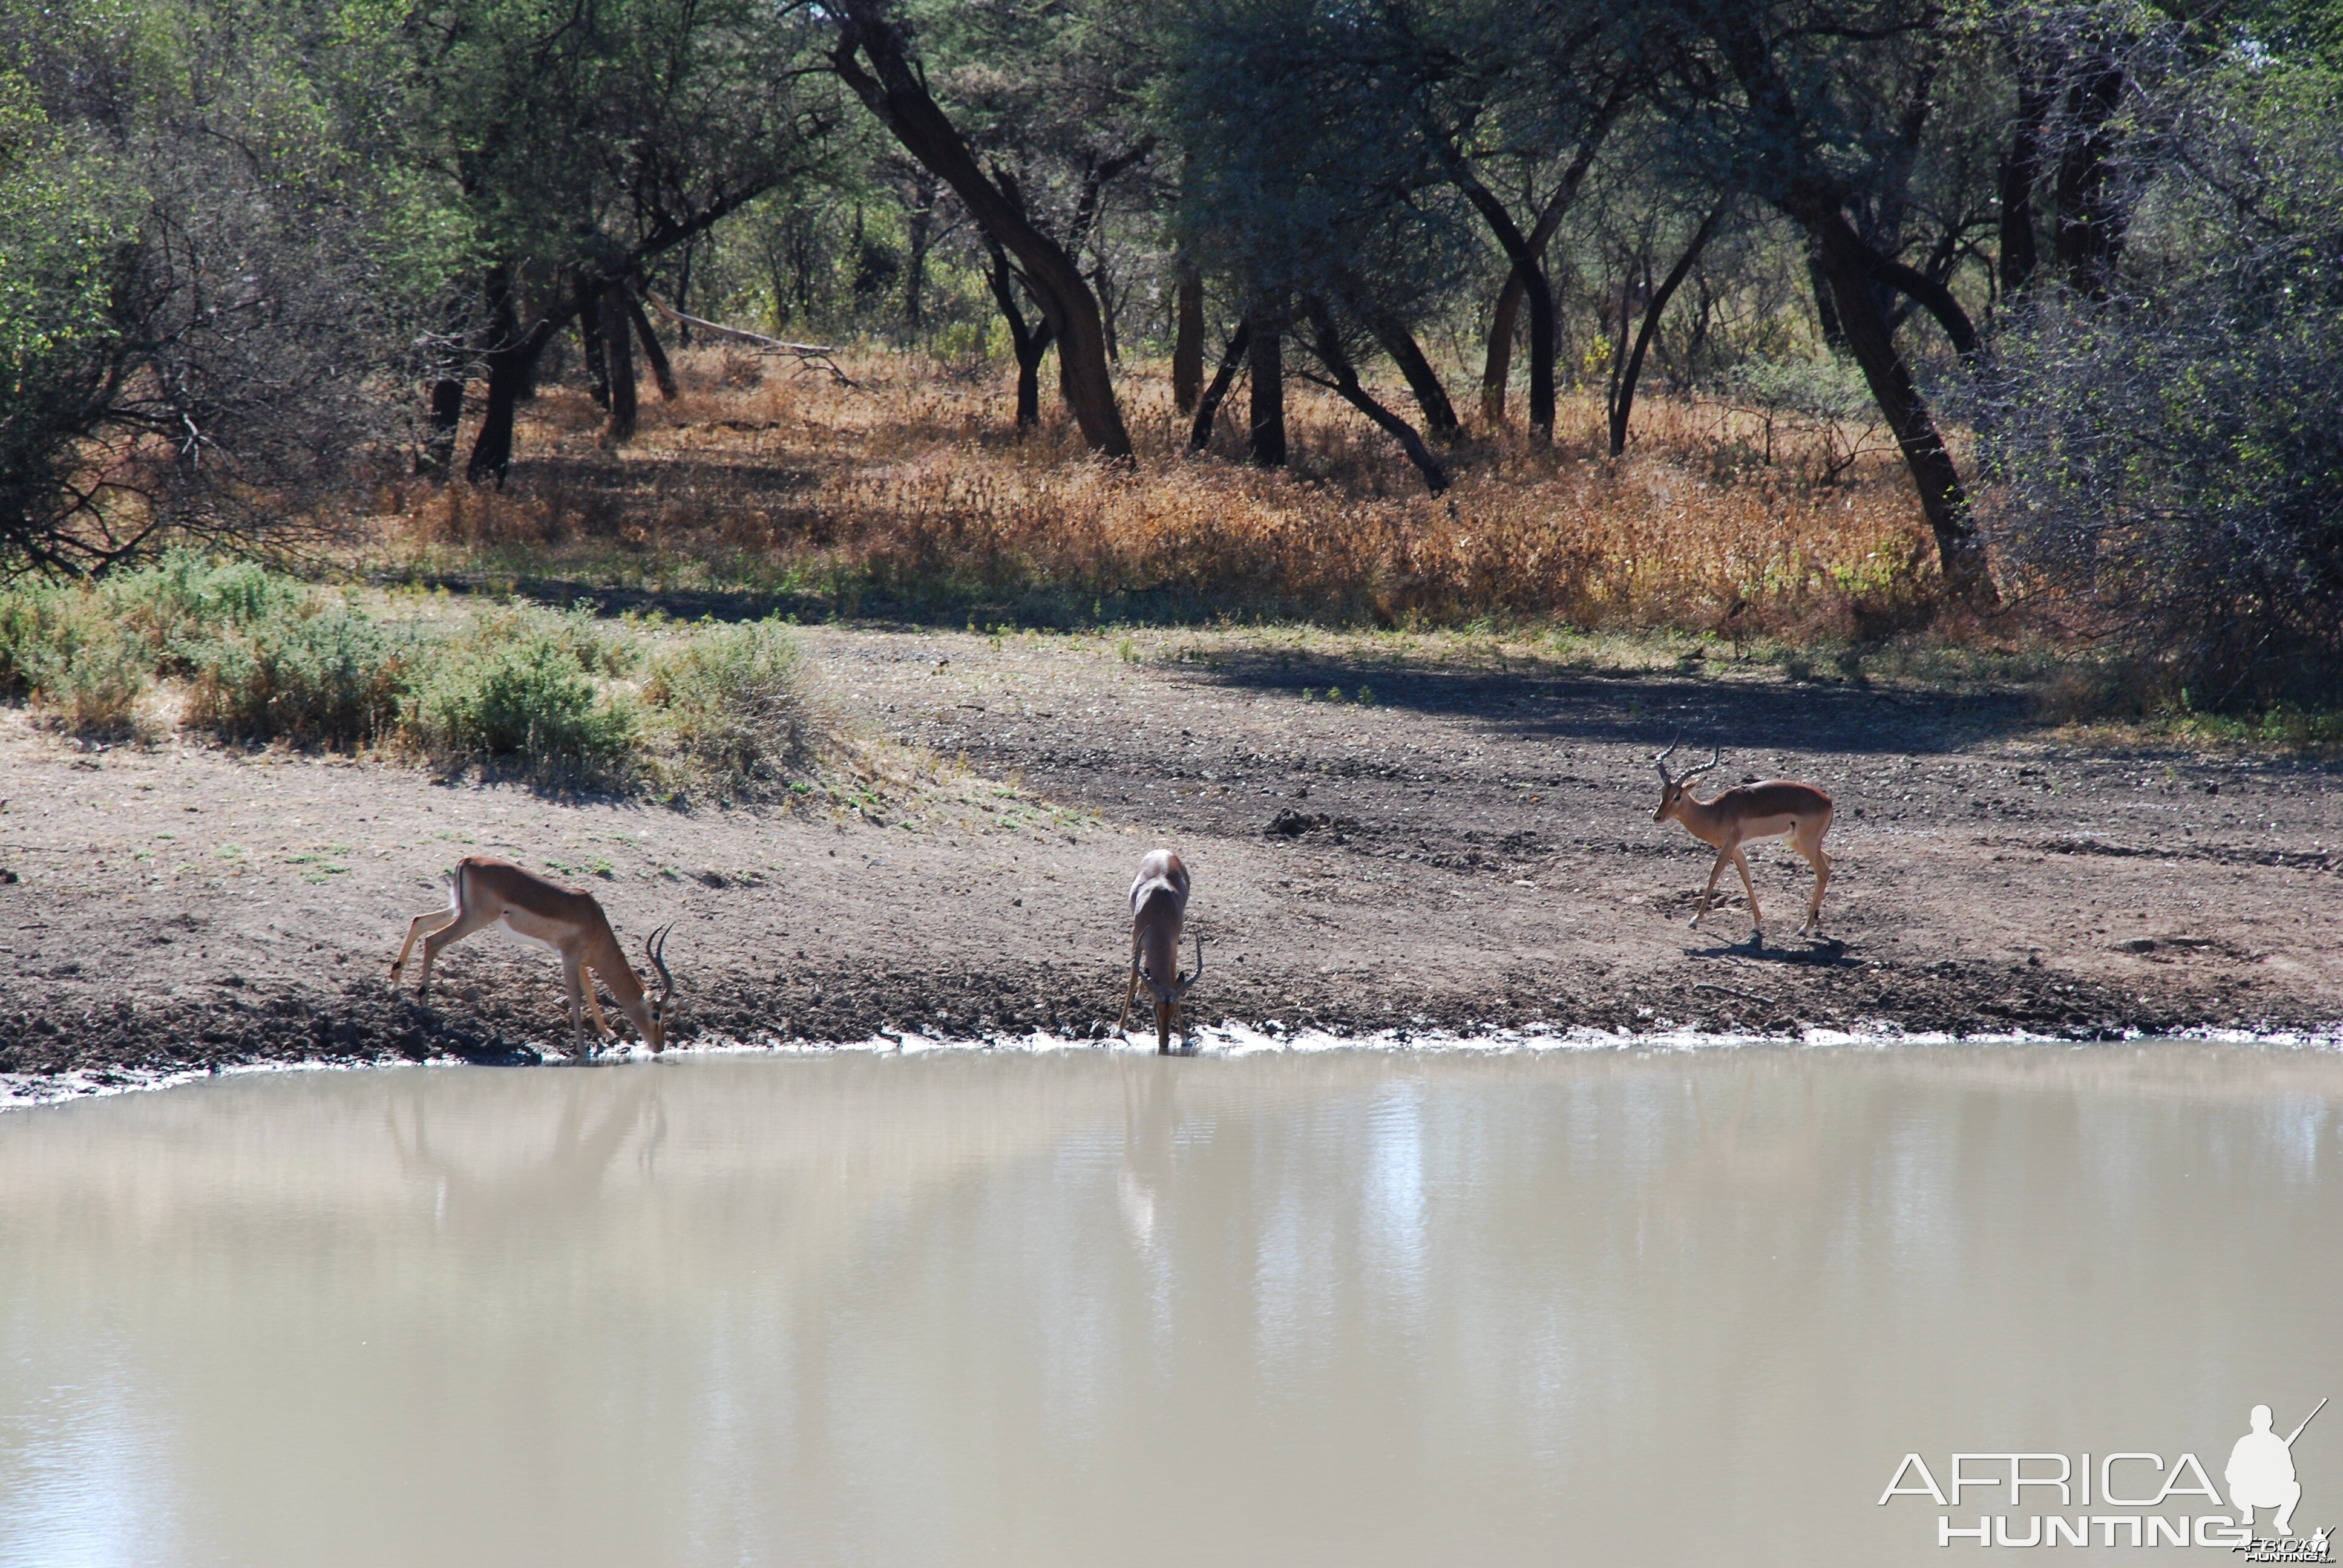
x=1343, y=1308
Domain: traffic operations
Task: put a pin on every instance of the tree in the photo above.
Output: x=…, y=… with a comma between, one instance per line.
x=1805, y=100
x=191, y=303
x=2167, y=438
x=873, y=56
x=576, y=142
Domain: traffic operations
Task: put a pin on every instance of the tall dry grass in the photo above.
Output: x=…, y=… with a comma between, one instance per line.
x=906, y=490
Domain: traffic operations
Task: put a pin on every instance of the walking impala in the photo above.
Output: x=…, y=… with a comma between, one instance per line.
x=1744, y=812
x=1159, y=914
x=483, y=890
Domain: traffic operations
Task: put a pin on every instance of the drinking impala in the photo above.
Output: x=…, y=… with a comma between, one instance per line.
x=1159, y=914
x=1744, y=812
x=482, y=890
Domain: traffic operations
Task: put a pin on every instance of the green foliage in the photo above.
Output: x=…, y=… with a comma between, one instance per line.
x=2171, y=457
x=526, y=706
x=731, y=707
x=331, y=676
x=258, y=658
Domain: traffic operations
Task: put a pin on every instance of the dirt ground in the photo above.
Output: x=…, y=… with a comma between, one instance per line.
x=1472, y=847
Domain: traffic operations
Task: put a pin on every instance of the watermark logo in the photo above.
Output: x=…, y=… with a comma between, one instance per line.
x=2124, y=1499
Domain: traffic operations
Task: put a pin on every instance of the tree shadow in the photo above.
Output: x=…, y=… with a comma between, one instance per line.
x=1554, y=702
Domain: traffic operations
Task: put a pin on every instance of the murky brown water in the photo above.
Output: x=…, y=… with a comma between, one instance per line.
x=1343, y=1308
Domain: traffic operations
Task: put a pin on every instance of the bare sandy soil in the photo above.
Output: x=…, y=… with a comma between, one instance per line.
x=1473, y=847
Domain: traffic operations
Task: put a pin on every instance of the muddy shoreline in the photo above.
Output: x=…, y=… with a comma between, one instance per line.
x=1469, y=849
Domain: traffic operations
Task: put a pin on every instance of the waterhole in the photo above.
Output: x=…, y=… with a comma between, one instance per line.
x=1098, y=1308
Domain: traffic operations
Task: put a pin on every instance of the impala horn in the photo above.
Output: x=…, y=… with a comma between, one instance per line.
x=1661, y=762
x=655, y=950
x=1180, y=988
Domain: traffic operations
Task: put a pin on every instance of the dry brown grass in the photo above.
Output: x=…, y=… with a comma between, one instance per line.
x=906, y=490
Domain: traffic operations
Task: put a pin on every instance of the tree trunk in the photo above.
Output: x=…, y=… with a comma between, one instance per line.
x=1028, y=344
x=921, y=228
x=618, y=346
x=1209, y=405
x=1188, y=338
x=1847, y=264
x=1266, y=360
x=1497, y=369
x=2019, y=170
x=1439, y=414
x=661, y=371
x=588, y=303
x=1345, y=381
x=1825, y=311
x=1623, y=399
x=893, y=91
x=511, y=363
x=2091, y=220
x=1531, y=273
x=438, y=454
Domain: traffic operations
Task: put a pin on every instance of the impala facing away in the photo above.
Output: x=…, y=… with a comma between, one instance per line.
x=483, y=892
x=1159, y=914
x=1744, y=812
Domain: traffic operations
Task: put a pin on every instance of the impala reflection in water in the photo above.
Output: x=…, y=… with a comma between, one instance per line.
x=1101, y=1307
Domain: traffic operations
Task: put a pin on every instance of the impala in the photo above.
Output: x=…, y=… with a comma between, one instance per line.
x=481, y=891
x=1159, y=914
x=1744, y=812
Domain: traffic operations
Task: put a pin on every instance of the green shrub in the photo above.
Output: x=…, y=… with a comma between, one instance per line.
x=522, y=702
x=333, y=678
x=62, y=651
x=732, y=707
x=514, y=689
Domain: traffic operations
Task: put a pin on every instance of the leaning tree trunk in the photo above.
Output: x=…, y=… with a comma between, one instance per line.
x=1345, y=382
x=893, y=91
x=661, y=371
x=1208, y=406
x=1439, y=413
x=1623, y=398
x=1266, y=328
x=1188, y=338
x=1531, y=273
x=1847, y=264
x=1497, y=370
x=510, y=364
x=618, y=346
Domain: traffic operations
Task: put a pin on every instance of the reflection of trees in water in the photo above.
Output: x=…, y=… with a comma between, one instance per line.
x=564, y=1178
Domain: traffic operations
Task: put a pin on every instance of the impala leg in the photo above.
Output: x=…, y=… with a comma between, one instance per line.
x=1131, y=990
x=447, y=936
x=594, y=1009
x=1709, y=893
x=578, y=996
x=415, y=928
x=1811, y=847
x=1756, y=921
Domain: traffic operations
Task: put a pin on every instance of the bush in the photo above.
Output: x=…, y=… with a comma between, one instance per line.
x=518, y=690
x=61, y=649
x=2168, y=459
x=330, y=678
x=515, y=691
x=732, y=705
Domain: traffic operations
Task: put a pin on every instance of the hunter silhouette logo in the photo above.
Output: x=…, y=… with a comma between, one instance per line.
x=2129, y=1498
x=2261, y=1471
